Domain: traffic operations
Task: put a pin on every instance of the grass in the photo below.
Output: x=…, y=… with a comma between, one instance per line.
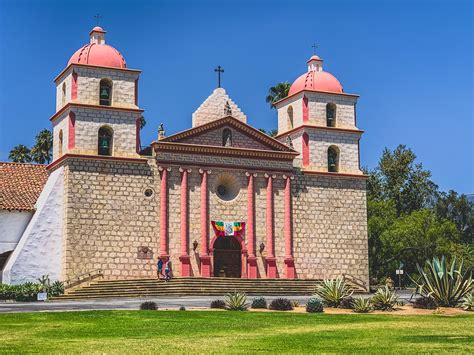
x=231, y=332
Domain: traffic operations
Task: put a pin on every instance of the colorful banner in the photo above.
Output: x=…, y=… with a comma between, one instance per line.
x=223, y=229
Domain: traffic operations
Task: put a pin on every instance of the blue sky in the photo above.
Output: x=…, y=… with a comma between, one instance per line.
x=411, y=62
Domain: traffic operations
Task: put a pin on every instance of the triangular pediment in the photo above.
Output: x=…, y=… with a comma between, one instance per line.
x=242, y=136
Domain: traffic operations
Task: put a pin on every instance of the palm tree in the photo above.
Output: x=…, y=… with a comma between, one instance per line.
x=20, y=154
x=41, y=151
x=277, y=92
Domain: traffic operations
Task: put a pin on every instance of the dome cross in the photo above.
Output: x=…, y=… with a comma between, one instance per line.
x=97, y=17
x=219, y=70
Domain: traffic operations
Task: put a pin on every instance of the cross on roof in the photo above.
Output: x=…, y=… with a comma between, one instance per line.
x=97, y=17
x=314, y=48
x=219, y=70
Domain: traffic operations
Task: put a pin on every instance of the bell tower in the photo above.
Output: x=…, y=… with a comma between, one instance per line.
x=97, y=109
x=319, y=119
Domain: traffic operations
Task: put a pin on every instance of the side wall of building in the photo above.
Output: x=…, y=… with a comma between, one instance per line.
x=330, y=227
x=12, y=225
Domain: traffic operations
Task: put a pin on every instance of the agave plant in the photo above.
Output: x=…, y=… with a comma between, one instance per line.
x=447, y=285
x=236, y=301
x=468, y=302
x=334, y=291
x=385, y=299
x=361, y=305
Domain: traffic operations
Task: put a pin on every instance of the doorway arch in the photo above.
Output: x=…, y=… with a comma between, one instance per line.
x=227, y=252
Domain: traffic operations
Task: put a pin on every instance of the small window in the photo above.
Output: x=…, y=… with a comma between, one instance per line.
x=290, y=118
x=333, y=159
x=60, y=143
x=331, y=115
x=105, y=92
x=227, y=138
x=63, y=98
x=105, y=141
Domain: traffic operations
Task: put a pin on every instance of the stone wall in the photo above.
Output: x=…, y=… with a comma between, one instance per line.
x=108, y=218
x=60, y=124
x=345, y=109
x=62, y=99
x=330, y=227
x=214, y=138
x=90, y=120
x=123, y=87
x=296, y=103
x=347, y=143
x=213, y=108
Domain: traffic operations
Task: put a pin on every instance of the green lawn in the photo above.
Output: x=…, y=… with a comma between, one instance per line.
x=224, y=331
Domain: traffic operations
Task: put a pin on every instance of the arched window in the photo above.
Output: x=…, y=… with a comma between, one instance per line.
x=105, y=92
x=290, y=118
x=226, y=137
x=60, y=143
x=106, y=136
x=333, y=159
x=331, y=115
x=63, y=98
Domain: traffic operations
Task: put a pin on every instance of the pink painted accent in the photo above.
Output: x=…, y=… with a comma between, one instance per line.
x=204, y=257
x=289, y=262
x=316, y=81
x=270, y=259
x=98, y=54
x=97, y=29
x=184, y=258
x=250, y=228
x=305, y=149
x=314, y=57
x=71, y=138
x=305, y=110
x=136, y=92
x=74, y=86
x=137, y=135
x=164, y=214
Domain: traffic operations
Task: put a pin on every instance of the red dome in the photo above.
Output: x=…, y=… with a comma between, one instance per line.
x=316, y=81
x=98, y=54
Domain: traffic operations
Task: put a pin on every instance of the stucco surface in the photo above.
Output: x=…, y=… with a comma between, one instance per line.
x=12, y=225
x=39, y=251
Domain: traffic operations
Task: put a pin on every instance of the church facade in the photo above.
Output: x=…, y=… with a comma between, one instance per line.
x=221, y=199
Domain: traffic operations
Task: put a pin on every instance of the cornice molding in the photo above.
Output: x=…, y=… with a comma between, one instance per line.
x=58, y=162
x=70, y=105
x=93, y=66
x=322, y=128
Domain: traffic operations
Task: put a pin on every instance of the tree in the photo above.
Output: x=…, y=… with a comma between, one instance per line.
x=272, y=133
x=399, y=179
x=20, y=154
x=277, y=92
x=142, y=122
x=460, y=211
x=41, y=151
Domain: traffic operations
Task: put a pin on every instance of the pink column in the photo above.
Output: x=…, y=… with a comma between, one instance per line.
x=164, y=213
x=204, y=257
x=184, y=257
x=305, y=110
x=289, y=261
x=305, y=150
x=270, y=259
x=251, y=259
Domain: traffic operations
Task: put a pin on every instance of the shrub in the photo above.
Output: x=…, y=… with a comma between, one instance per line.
x=182, y=308
x=236, y=301
x=56, y=289
x=314, y=305
x=27, y=292
x=281, y=304
x=295, y=303
x=361, y=305
x=334, y=291
x=447, y=285
x=218, y=304
x=259, y=302
x=425, y=303
x=346, y=303
x=468, y=302
x=385, y=299
x=148, y=306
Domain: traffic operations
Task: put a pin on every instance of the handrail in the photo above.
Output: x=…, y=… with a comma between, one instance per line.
x=358, y=282
x=85, y=277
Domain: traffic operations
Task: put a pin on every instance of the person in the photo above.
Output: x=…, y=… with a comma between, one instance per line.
x=168, y=269
x=160, y=268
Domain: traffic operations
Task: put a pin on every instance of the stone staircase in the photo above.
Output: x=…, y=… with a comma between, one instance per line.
x=192, y=286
